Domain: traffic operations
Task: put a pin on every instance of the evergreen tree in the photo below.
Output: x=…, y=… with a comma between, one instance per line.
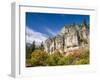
x=32, y=47
x=63, y=42
x=42, y=46
x=28, y=52
x=84, y=22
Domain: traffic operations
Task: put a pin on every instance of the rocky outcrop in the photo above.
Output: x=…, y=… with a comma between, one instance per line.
x=71, y=37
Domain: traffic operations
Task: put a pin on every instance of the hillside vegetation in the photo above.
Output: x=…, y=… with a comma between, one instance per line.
x=41, y=58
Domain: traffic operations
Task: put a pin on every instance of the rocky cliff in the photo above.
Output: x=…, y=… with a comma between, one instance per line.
x=70, y=37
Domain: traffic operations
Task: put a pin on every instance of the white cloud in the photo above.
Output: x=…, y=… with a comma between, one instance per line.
x=32, y=35
x=50, y=31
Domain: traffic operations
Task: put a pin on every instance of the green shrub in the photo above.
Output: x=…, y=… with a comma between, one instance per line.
x=28, y=61
x=82, y=61
x=54, y=58
x=63, y=61
x=59, y=59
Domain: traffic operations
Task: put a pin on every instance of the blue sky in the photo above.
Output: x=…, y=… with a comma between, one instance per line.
x=48, y=24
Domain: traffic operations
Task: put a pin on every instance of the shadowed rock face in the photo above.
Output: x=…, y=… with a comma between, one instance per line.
x=70, y=38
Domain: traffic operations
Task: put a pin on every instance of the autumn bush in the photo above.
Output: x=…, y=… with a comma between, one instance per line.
x=38, y=58
x=83, y=58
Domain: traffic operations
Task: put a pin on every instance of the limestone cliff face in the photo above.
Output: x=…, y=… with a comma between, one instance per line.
x=70, y=37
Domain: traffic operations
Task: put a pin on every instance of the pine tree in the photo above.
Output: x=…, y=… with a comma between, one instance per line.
x=42, y=46
x=33, y=46
x=84, y=22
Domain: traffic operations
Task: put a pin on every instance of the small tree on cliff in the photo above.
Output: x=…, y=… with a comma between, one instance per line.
x=84, y=22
